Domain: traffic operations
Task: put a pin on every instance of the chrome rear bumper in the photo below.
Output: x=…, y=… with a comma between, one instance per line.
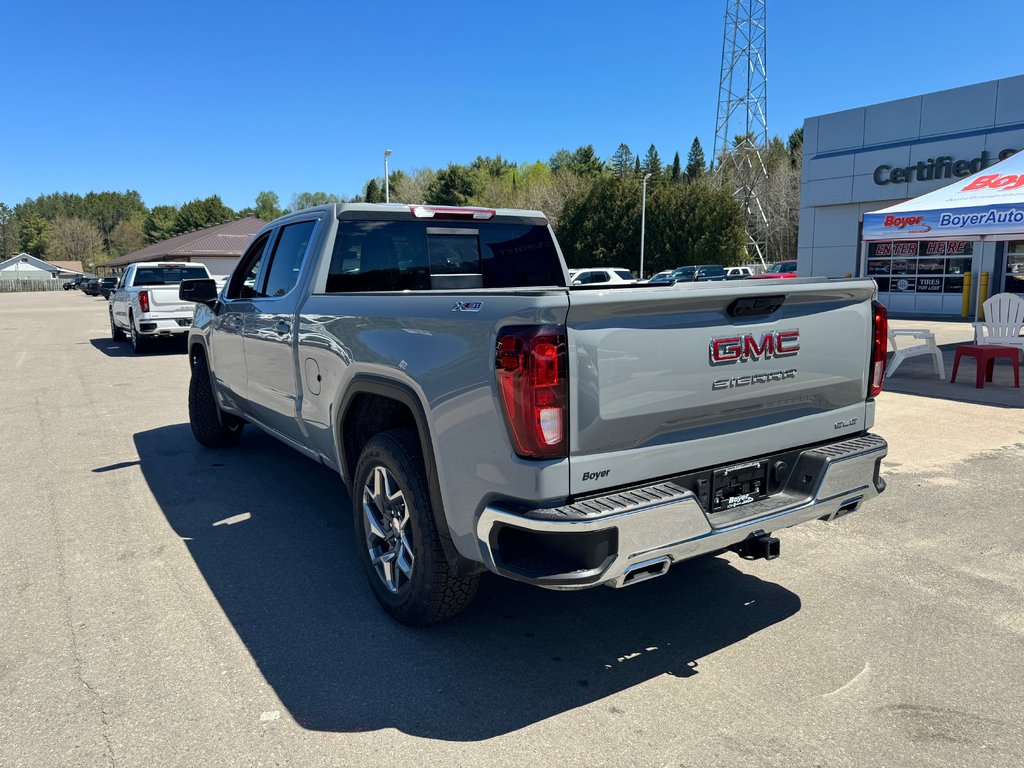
x=604, y=540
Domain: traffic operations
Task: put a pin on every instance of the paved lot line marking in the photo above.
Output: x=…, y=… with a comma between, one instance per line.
x=234, y=519
x=851, y=681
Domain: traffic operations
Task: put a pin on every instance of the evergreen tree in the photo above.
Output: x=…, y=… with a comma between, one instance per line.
x=492, y=166
x=651, y=163
x=636, y=165
x=199, y=214
x=621, y=163
x=795, y=145
x=561, y=160
x=451, y=186
x=33, y=233
x=159, y=223
x=8, y=232
x=695, y=163
x=374, y=194
x=586, y=162
x=676, y=171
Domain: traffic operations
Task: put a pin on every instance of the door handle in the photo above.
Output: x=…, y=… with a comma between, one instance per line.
x=282, y=327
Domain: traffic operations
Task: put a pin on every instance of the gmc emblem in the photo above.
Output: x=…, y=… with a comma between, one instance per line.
x=741, y=349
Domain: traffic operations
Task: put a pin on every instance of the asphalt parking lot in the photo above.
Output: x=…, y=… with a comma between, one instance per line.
x=164, y=604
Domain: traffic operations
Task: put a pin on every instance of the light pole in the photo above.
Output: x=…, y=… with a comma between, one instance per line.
x=643, y=222
x=387, y=190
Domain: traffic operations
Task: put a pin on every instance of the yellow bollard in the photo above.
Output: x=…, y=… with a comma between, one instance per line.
x=982, y=295
x=965, y=307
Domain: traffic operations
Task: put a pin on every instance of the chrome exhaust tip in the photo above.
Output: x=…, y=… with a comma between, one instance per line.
x=649, y=569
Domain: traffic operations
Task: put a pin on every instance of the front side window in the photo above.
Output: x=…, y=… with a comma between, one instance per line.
x=243, y=279
x=286, y=260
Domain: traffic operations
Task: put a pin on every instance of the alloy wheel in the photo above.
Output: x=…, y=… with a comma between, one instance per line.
x=387, y=529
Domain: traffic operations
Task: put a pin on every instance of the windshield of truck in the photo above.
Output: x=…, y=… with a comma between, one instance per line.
x=436, y=255
x=782, y=266
x=167, y=275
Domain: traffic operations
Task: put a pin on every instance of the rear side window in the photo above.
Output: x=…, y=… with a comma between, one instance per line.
x=286, y=261
x=423, y=256
x=625, y=274
x=167, y=275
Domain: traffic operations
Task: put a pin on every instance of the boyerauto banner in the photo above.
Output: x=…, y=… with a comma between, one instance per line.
x=988, y=204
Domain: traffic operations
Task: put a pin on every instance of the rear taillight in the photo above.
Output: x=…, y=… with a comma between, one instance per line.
x=144, y=301
x=530, y=365
x=879, y=347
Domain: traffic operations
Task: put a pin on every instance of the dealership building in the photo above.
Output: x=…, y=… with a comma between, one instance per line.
x=861, y=160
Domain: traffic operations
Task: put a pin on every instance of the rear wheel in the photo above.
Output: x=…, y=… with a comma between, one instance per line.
x=140, y=343
x=210, y=425
x=115, y=333
x=396, y=535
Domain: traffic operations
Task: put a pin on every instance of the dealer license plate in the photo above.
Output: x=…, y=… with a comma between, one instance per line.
x=741, y=484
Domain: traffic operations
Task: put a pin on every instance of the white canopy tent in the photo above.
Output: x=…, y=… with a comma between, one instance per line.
x=987, y=206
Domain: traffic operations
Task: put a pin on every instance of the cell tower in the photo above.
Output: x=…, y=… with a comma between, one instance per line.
x=741, y=127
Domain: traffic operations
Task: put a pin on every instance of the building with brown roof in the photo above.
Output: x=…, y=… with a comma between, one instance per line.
x=218, y=247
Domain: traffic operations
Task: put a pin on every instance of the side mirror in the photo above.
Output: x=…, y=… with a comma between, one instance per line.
x=202, y=291
x=577, y=282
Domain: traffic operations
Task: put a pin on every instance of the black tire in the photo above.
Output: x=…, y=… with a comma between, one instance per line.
x=140, y=343
x=430, y=592
x=210, y=425
x=115, y=333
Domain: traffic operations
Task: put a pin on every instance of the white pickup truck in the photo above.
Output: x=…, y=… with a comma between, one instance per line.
x=145, y=303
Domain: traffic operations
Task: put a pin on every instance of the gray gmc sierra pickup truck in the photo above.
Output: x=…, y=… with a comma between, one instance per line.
x=486, y=416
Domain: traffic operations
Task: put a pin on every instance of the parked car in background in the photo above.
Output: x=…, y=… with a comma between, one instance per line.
x=145, y=304
x=737, y=273
x=73, y=283
x=698, y=273
x=106, y=286
x=777, y=270
x=660, y=277
x=601, y=275
x=91, y=287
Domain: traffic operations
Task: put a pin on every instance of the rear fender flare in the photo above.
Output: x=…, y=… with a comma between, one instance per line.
x=404, y=394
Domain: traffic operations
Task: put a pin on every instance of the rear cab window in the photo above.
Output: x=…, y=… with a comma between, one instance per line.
x=151, y=276
x=398, y=255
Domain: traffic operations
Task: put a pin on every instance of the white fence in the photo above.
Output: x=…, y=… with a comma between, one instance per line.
x=19, y=286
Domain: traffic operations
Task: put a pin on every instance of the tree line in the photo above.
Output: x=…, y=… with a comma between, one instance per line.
x=593, y=204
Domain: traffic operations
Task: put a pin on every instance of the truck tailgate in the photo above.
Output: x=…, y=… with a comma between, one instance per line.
x=667, y=380
x=164, y=302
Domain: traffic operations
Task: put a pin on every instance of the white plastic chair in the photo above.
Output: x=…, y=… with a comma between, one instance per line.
x=929, y=347
x=1004, y=318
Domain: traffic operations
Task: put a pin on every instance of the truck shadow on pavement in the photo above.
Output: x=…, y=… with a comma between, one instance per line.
x=271, y=533
x=158, y=347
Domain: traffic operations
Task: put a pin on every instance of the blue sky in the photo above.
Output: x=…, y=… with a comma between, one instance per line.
x=184, y=100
